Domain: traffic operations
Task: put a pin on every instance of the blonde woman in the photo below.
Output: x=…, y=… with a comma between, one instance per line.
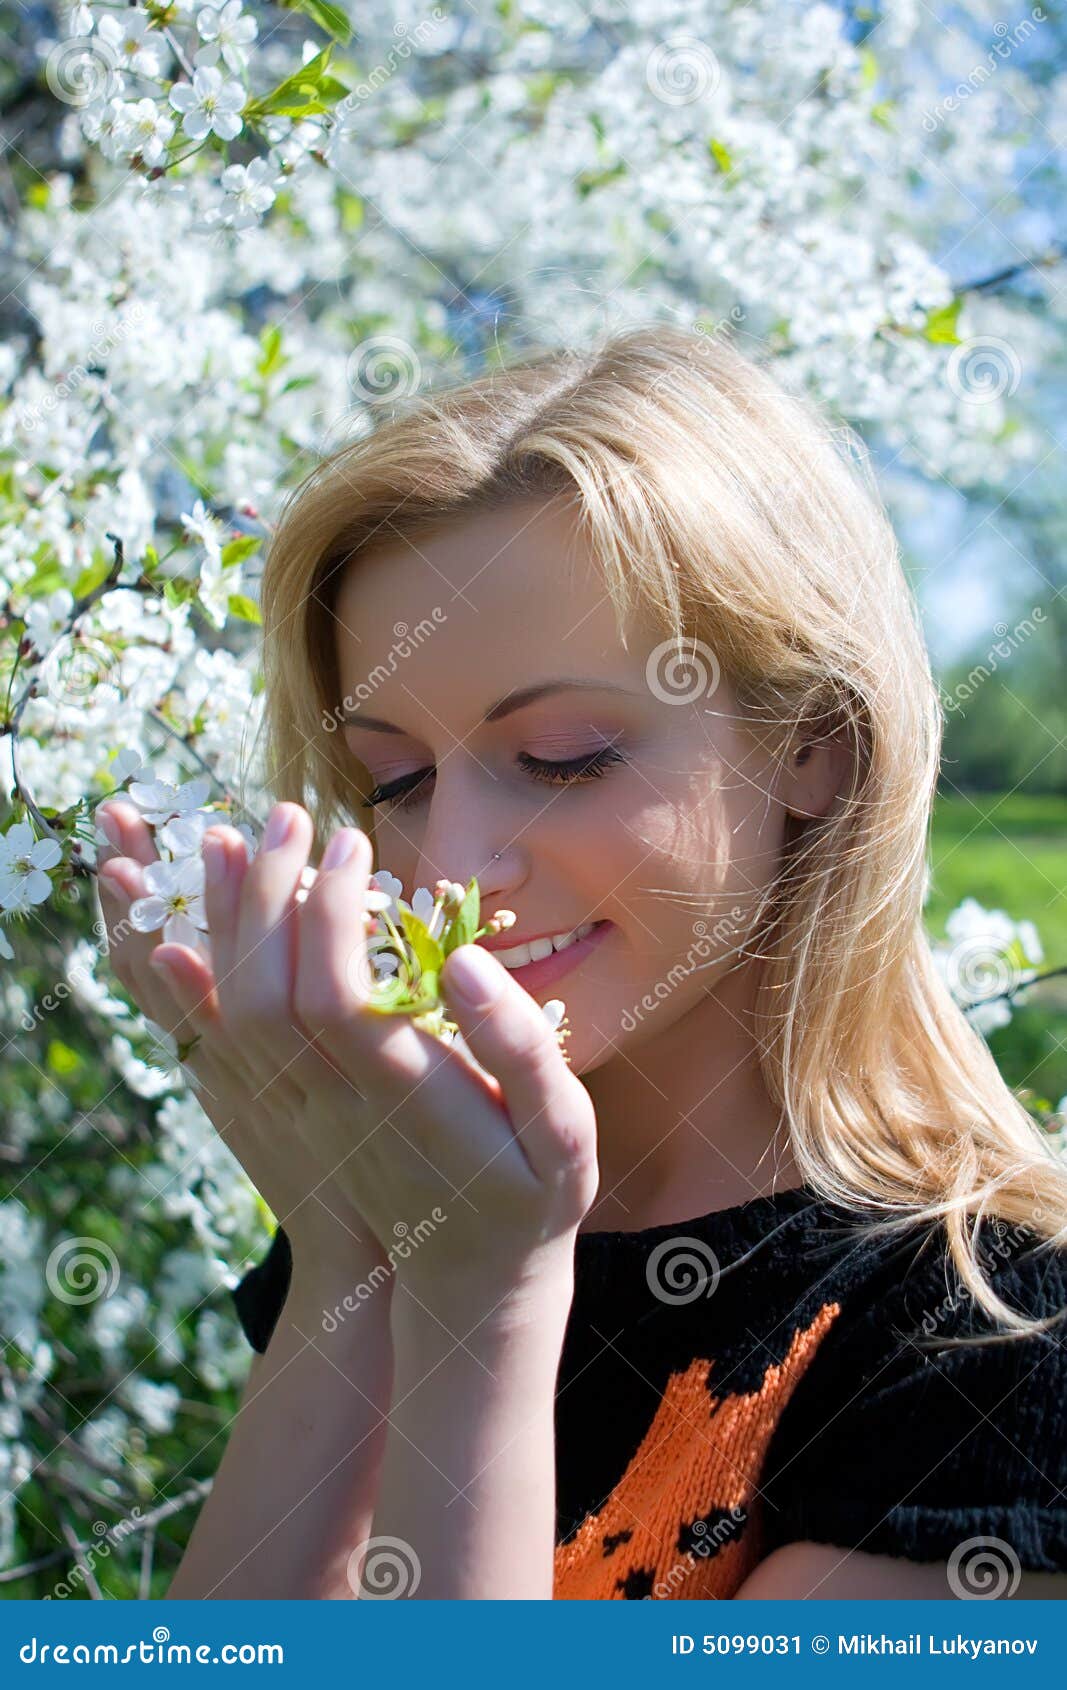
x=756, y=1291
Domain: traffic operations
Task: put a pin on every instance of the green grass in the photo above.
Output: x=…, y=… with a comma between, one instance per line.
x=1011, y=854
x=1008, y=852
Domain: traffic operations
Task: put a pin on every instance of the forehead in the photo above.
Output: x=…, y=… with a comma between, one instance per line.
x=476, y=608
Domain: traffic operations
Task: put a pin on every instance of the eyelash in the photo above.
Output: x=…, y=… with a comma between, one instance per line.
x=400, y=797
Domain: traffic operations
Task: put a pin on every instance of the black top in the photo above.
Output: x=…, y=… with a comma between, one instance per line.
x=772, y=1373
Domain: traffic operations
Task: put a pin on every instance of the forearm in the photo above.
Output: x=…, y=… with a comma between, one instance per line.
x=295, y=1490
x=468, y=1477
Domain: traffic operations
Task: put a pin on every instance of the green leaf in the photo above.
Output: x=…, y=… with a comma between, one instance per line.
x=91, y=576
x=940, y=325
x=150, y=561
x=271, y=356
x=61, y=1059
x=466, y=922
x=304, y=94
x=244, y=608
x=868, y=68
x=178, y=591
x=428, y=952
x=590, y=179
x=235, y=551
x=722, y=155
x=353, y=213
x=328, y=17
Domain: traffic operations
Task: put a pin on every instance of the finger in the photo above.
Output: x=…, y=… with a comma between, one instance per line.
x=225, y=867
x=119, y=883
x=332, y=980
x=256, y=973
x=550, y=1110
x=190, y=982
x=128, y=833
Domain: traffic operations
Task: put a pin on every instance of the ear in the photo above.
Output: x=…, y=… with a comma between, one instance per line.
x=816, y=771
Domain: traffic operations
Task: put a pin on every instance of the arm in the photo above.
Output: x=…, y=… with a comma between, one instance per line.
x=468, y=1480
x=294, y=1492
x=819, y=1571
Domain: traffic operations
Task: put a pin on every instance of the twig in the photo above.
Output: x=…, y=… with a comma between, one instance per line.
x=87, y=1572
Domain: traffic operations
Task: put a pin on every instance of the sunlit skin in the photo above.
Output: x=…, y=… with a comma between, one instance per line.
x=673, y=844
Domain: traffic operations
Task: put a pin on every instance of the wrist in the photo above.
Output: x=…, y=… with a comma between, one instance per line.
x=532, y=1313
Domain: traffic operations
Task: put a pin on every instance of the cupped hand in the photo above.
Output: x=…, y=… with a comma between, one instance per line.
x=506, y=1156
x=247, y=1081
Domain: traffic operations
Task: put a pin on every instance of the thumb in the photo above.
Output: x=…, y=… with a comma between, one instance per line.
x=508, y=1034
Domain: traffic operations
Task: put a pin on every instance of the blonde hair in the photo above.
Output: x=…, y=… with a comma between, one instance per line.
x=744, y=520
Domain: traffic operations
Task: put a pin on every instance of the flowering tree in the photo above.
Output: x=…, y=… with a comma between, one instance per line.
x=235, y=233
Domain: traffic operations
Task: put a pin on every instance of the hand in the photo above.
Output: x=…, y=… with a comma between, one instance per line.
x=509, y=1160
x=252, y=1094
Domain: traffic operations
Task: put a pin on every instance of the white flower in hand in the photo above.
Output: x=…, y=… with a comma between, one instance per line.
x=183, y=836
x=23, y=861
x=175, y=902
x=209, y=105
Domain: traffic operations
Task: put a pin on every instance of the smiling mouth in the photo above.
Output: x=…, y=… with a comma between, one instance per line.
x=543, y=970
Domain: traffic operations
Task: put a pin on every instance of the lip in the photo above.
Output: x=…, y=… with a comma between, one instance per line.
x=533, y=975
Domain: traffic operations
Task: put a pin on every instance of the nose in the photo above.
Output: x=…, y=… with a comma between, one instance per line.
x=466, y=837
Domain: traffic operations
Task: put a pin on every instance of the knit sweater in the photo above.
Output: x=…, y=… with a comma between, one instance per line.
x=771, y=1373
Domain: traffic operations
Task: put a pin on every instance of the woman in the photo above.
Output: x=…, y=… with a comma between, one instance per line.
x=756, y=1292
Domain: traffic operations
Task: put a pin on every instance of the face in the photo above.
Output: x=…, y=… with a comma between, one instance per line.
x=624, y=801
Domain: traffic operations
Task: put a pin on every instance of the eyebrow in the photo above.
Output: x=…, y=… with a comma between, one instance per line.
x=506, y=706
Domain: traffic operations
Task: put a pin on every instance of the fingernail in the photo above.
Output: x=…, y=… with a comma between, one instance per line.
x=159, y=965
x=111, y=828
x=340, y=848
x=279, y=826
x=214, y=855
x=473, y=976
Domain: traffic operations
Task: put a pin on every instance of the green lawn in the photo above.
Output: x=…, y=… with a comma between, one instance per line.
x=1011, y=854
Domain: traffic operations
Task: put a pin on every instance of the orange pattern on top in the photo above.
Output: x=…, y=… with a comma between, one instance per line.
x=702, y=1453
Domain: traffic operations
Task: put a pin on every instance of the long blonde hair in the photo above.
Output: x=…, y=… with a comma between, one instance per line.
x=750, y=525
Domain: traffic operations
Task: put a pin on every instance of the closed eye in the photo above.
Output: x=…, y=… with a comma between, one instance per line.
x=410, y=790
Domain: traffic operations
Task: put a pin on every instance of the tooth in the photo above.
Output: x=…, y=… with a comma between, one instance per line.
x=539, y=949
x=565, y=939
